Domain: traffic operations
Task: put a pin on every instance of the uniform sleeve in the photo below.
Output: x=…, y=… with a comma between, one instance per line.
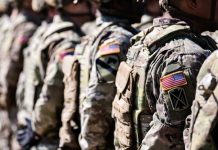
x=97, y=124
x=201, y=124
x=48, y=108
x=20, y=41
x=49, y=104
x=173, y=83
x=70, y=121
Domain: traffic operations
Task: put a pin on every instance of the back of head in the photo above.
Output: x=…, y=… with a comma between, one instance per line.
x=129, y=9
x=202, y=14
x=22, y=4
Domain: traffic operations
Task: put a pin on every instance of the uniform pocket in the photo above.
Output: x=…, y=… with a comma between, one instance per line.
x=122, y=107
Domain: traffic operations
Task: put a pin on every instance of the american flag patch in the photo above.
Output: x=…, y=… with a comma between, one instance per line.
x=109, y=47
x=65, y=53
x=173, y=80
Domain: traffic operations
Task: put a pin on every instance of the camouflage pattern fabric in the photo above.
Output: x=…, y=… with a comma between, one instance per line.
x=158, y=79
x=5, y=131
x=25, y=94
x=73, y=69
x=213, y=35
x=174, y=101
x=97, y=88
x=23, y=29
x=201, y=130
x=89, y=27
x=59, y=41
x=5, y=27
x=22, y=26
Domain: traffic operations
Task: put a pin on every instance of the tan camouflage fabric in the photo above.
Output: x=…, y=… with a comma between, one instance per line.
x=5, y=130
x=5, y=28
x=99, y=65
x=172, y=106
x=59, y=41
x=26, y=92
x=156, y=86
x=21, y=26
x=89, y=27
x=201, y=131
x=73, y=66
x=213, y=35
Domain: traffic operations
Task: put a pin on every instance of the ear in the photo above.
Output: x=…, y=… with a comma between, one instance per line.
x=191, y=4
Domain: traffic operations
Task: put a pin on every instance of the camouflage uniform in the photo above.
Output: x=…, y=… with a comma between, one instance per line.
x=13, y=32
x=23, y=28
x=89, y=27
x=5, y=26
x=59, y=41
x=155, y=86
x=4, y=119
x=213, y=35
x=70, y=129
x=37, y=6
x=99, y=63
x=201, y=125
x=25, y=96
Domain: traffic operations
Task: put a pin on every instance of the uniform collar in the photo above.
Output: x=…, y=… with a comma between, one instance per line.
x=167, y=21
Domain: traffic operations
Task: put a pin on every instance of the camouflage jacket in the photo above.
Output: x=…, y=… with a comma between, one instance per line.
x=99, y=64
x=21, y=31
x=155, y=87
x=58, y=42
x=25, y=94
x=201, y=129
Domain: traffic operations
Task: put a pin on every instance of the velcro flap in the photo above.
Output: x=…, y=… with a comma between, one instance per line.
x=123, y=76
x=67, y=64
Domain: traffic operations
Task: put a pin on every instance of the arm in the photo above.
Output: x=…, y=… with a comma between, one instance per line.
x=97, y=124
x=175, y=85
x=20, y=41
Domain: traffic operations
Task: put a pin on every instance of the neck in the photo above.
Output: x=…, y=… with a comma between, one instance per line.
x=79, y=21
x=195, y=24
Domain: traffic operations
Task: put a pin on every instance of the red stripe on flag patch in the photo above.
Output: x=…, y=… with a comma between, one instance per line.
x=173, y=80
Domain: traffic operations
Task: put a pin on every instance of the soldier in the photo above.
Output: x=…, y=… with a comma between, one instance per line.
x=57, y=42
x=25, y=91
x=16, y=38
x=155, y=86
x=98, y=57
x=5, y=23
x=201, y=131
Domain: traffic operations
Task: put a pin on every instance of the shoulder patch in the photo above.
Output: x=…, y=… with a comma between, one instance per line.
x=178, y=99
x=109, y=47
x=173, y=80
x=23, y=39
x=64, y=53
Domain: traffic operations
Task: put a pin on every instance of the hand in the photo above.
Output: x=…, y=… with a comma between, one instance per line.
x=27, y=137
